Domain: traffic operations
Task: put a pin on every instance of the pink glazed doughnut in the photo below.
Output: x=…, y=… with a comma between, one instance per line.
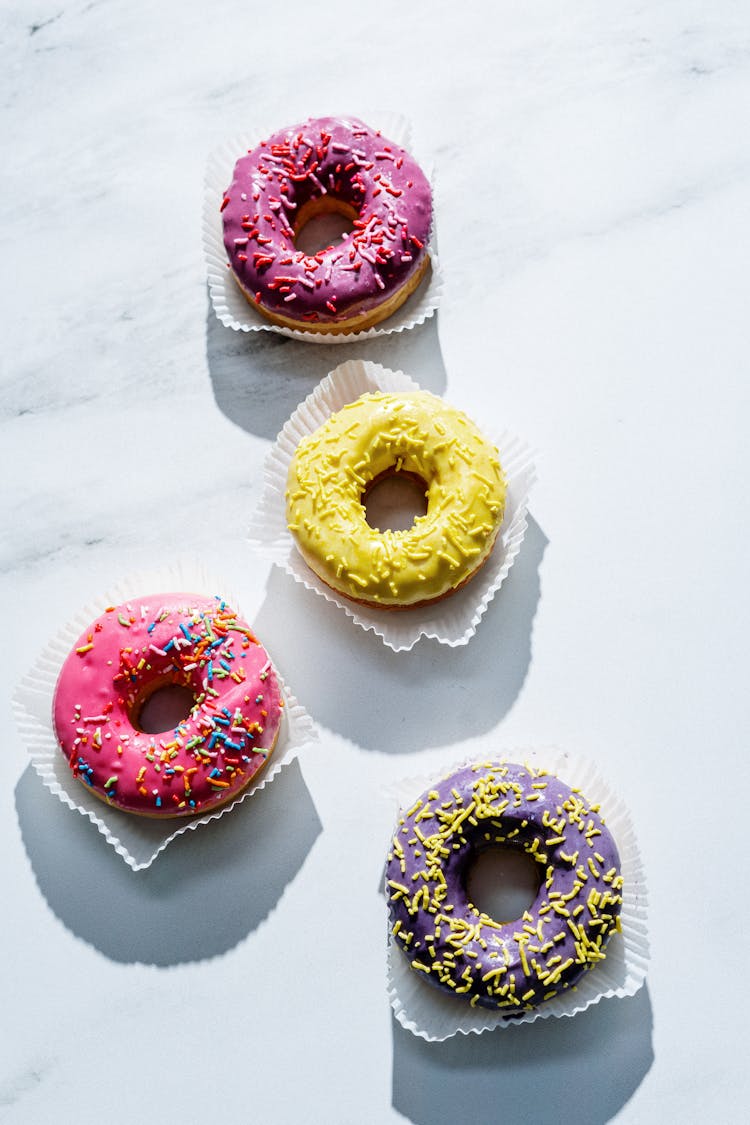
x=327, y=164
x=130, y=652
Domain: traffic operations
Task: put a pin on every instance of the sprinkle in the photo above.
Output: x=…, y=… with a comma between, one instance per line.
x=553, y=944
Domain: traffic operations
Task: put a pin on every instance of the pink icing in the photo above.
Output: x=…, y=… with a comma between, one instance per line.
x=353, y=164
x=129, y=652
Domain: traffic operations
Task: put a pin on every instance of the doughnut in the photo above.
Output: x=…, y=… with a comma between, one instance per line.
x=130, y=652
x=327, y=164
x=380, y=435
x=513, y=965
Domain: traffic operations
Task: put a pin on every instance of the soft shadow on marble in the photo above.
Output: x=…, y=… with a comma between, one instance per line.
x=403, y=701
x=233, y=870
x=259, y=378
x=582, y=1069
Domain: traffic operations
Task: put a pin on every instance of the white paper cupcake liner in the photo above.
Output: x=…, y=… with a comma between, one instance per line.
x=452, y=621
x=233, y=309
x=434, y=1015
x=139, y=840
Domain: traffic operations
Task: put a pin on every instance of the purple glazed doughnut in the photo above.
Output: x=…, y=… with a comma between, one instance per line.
x=510, y=965
x=327, y=164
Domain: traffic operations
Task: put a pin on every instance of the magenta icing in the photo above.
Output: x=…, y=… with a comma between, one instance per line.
x=502, y=964
x=129, y=652
x=344, y=159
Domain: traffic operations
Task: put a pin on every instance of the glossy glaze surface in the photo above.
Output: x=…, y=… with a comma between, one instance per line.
x=382, y=434
x=326, y=164
x=516, y=964
x=128, y=654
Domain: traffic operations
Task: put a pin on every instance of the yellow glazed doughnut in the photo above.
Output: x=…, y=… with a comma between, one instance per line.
x=380, y=435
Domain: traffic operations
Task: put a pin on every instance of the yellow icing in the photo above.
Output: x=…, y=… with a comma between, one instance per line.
x=377, y=434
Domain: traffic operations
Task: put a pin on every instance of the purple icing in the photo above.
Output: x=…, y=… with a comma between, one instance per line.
x=372, y=179
x=514, y=965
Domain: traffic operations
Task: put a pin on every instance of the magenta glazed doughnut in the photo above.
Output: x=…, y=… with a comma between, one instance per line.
x=130, y=652
x=327, y=164
x=511, y=965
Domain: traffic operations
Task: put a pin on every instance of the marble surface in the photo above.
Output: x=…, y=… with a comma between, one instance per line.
x=593, y=175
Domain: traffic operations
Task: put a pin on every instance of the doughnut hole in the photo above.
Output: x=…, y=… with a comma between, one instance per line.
x=165, y=705
x=503, y=882
x=394, y=500
x=322, y=223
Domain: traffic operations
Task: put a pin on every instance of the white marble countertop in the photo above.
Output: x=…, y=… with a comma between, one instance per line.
x=593, y=174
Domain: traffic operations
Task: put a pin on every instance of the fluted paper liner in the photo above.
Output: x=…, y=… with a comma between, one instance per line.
x=451, y=621
x=435, y=1015
x=138, y=839
x=230, y=305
